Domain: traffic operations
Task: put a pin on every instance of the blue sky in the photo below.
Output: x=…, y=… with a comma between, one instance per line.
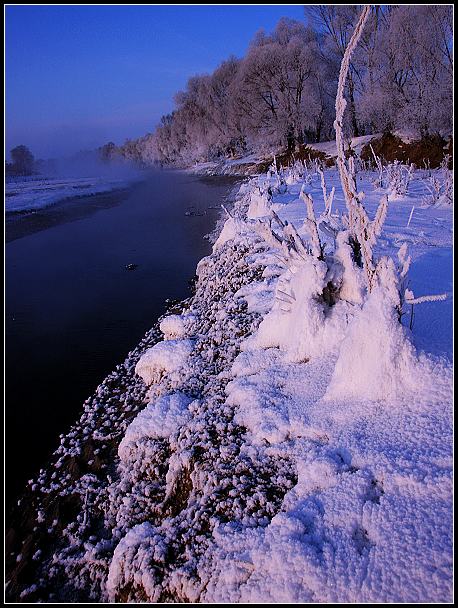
x=79, y=76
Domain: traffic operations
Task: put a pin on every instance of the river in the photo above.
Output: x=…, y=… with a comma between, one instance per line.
x=85, y=279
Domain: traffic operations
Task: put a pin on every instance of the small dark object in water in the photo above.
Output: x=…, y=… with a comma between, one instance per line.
x=131, y=266
x=192, y=213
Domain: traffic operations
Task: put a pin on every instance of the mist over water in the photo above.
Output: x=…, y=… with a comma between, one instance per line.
x=89, y=164
x=57, y=180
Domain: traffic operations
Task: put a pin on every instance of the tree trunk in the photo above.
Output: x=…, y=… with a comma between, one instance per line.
x=290, y=138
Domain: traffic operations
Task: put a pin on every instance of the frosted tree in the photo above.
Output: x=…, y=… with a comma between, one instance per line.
x=280, y=94
x=22, y=160
x=337, y=23
x=410, y=84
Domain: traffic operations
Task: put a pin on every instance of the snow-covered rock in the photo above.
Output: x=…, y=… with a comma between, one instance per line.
x=161, y=418
x=166, y=356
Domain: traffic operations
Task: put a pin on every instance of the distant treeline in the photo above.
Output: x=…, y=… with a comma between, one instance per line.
x=282, y=93
x=22, y=162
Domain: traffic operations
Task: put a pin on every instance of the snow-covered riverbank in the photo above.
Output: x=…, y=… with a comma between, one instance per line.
x=252, y=450
x=38, y=192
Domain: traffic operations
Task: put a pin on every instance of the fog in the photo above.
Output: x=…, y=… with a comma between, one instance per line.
x=88, y=164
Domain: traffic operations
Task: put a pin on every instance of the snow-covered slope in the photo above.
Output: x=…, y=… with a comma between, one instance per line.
x=293, y=446
x=357, y=143
x=369, y=518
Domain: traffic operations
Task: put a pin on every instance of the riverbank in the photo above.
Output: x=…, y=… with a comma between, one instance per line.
x=239, y=480
x=85, y=279
x=19, y=224
x=427, y=152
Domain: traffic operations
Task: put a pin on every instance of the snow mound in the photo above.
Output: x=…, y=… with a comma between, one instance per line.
x=259, y=204
x=298, y=322
x=176, y=326
x=131, y=563
x=168, y=356
x=376, y=359
x=160, y=419
x=232, y=227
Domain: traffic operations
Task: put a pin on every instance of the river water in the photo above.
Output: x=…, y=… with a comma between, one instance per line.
x=73, y=309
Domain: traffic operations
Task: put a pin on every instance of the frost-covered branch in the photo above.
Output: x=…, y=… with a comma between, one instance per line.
x=410, y=299
x=347, y=179
x=328, y=198
x=361, y=232
x=310, y=223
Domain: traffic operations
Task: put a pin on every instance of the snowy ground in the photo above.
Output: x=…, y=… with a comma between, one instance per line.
x=245, y=165
x=357, y=143
x=36, y=193
x=280, y=455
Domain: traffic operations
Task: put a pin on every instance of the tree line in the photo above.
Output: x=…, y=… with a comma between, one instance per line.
x=281, y=94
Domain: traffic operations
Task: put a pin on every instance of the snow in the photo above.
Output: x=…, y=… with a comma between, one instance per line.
x=376, y=359
x=357, y=143
x=133, y=554
x=343, y=393
x=292, y=447
x=175, y=326
x=231, y=228
x=367, y=421
x=168, y=356
x=161, y=418
x=37, y=193
x=259, y=204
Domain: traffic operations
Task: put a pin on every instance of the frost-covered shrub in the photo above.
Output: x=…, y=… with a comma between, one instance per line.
x=398, y=178
x=440, y=188
x=277, y=178
x=297, y=172
x=378, y=182
x=301, y=323
x=260, y=202
x=342, y=296
x=376, y=359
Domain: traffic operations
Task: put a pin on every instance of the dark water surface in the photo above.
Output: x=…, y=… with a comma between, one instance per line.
x=73, y=311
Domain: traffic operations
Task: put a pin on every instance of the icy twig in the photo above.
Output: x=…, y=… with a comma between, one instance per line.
x=410, y=216
x=310, y=222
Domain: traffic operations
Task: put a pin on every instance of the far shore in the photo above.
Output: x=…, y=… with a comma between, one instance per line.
x=22, y=223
